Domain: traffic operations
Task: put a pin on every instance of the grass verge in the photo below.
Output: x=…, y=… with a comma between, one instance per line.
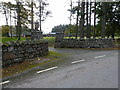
x=45, y=61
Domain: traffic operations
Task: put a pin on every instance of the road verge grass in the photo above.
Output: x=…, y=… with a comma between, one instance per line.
x=45, y=61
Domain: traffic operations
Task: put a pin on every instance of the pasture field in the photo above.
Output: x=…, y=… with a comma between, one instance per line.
x=50, y=40
x=5, y=39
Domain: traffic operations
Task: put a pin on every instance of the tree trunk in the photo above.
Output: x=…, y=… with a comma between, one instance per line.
x=94, y=32
x=77, y=19
x=90, y=20
x=113, y=33
x=87, y=28
x=82, y=19
x=10, y=24
x=15, y=22
x=40, y=10
x=32, y=15
x=70, y=19
x=113, y=28
x=5, y=13
x=6, y=17
x=18, y=20
x=103, y=21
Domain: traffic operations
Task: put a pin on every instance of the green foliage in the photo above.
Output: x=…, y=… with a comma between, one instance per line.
x=112, y=14
x=108, y=10
x=5, y=30
x=71, y=29
x=66, y=29
x=59, y=28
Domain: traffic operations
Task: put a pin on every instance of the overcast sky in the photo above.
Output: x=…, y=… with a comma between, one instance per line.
x=59, y=14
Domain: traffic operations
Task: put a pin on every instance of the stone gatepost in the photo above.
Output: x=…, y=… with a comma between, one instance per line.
x=36, y=34
x=58, y=40
x=59, y=36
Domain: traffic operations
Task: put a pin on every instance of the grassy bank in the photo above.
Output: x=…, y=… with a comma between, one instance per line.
x=31, y=63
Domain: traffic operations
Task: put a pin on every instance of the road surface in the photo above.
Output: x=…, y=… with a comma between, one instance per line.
x=82, y=69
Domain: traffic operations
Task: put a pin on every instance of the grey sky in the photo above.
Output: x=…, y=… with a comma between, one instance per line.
x=59, y=14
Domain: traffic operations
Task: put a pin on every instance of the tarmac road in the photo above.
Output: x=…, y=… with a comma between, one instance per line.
x=82, y=69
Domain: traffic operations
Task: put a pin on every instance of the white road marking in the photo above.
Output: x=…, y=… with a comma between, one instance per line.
x=100, y=56
x=4, y=82
x=115, y=53
x=77, y=61
x=47, y=69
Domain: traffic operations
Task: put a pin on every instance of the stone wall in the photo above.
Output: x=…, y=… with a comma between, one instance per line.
x=16, y=52
x=84, y=43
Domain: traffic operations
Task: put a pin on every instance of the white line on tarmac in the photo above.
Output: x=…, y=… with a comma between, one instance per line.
x=78, y=61
x=115, y=53
x=47, y=69
x=100, y=56
x=4, y=82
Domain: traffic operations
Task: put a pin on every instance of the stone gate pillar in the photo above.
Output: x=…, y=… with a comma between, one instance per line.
x=58, y=40
x=35, y=35
x=59, y=36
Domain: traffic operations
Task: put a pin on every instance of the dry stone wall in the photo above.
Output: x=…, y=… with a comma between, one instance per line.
x=85, y=43
x=16, y=52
